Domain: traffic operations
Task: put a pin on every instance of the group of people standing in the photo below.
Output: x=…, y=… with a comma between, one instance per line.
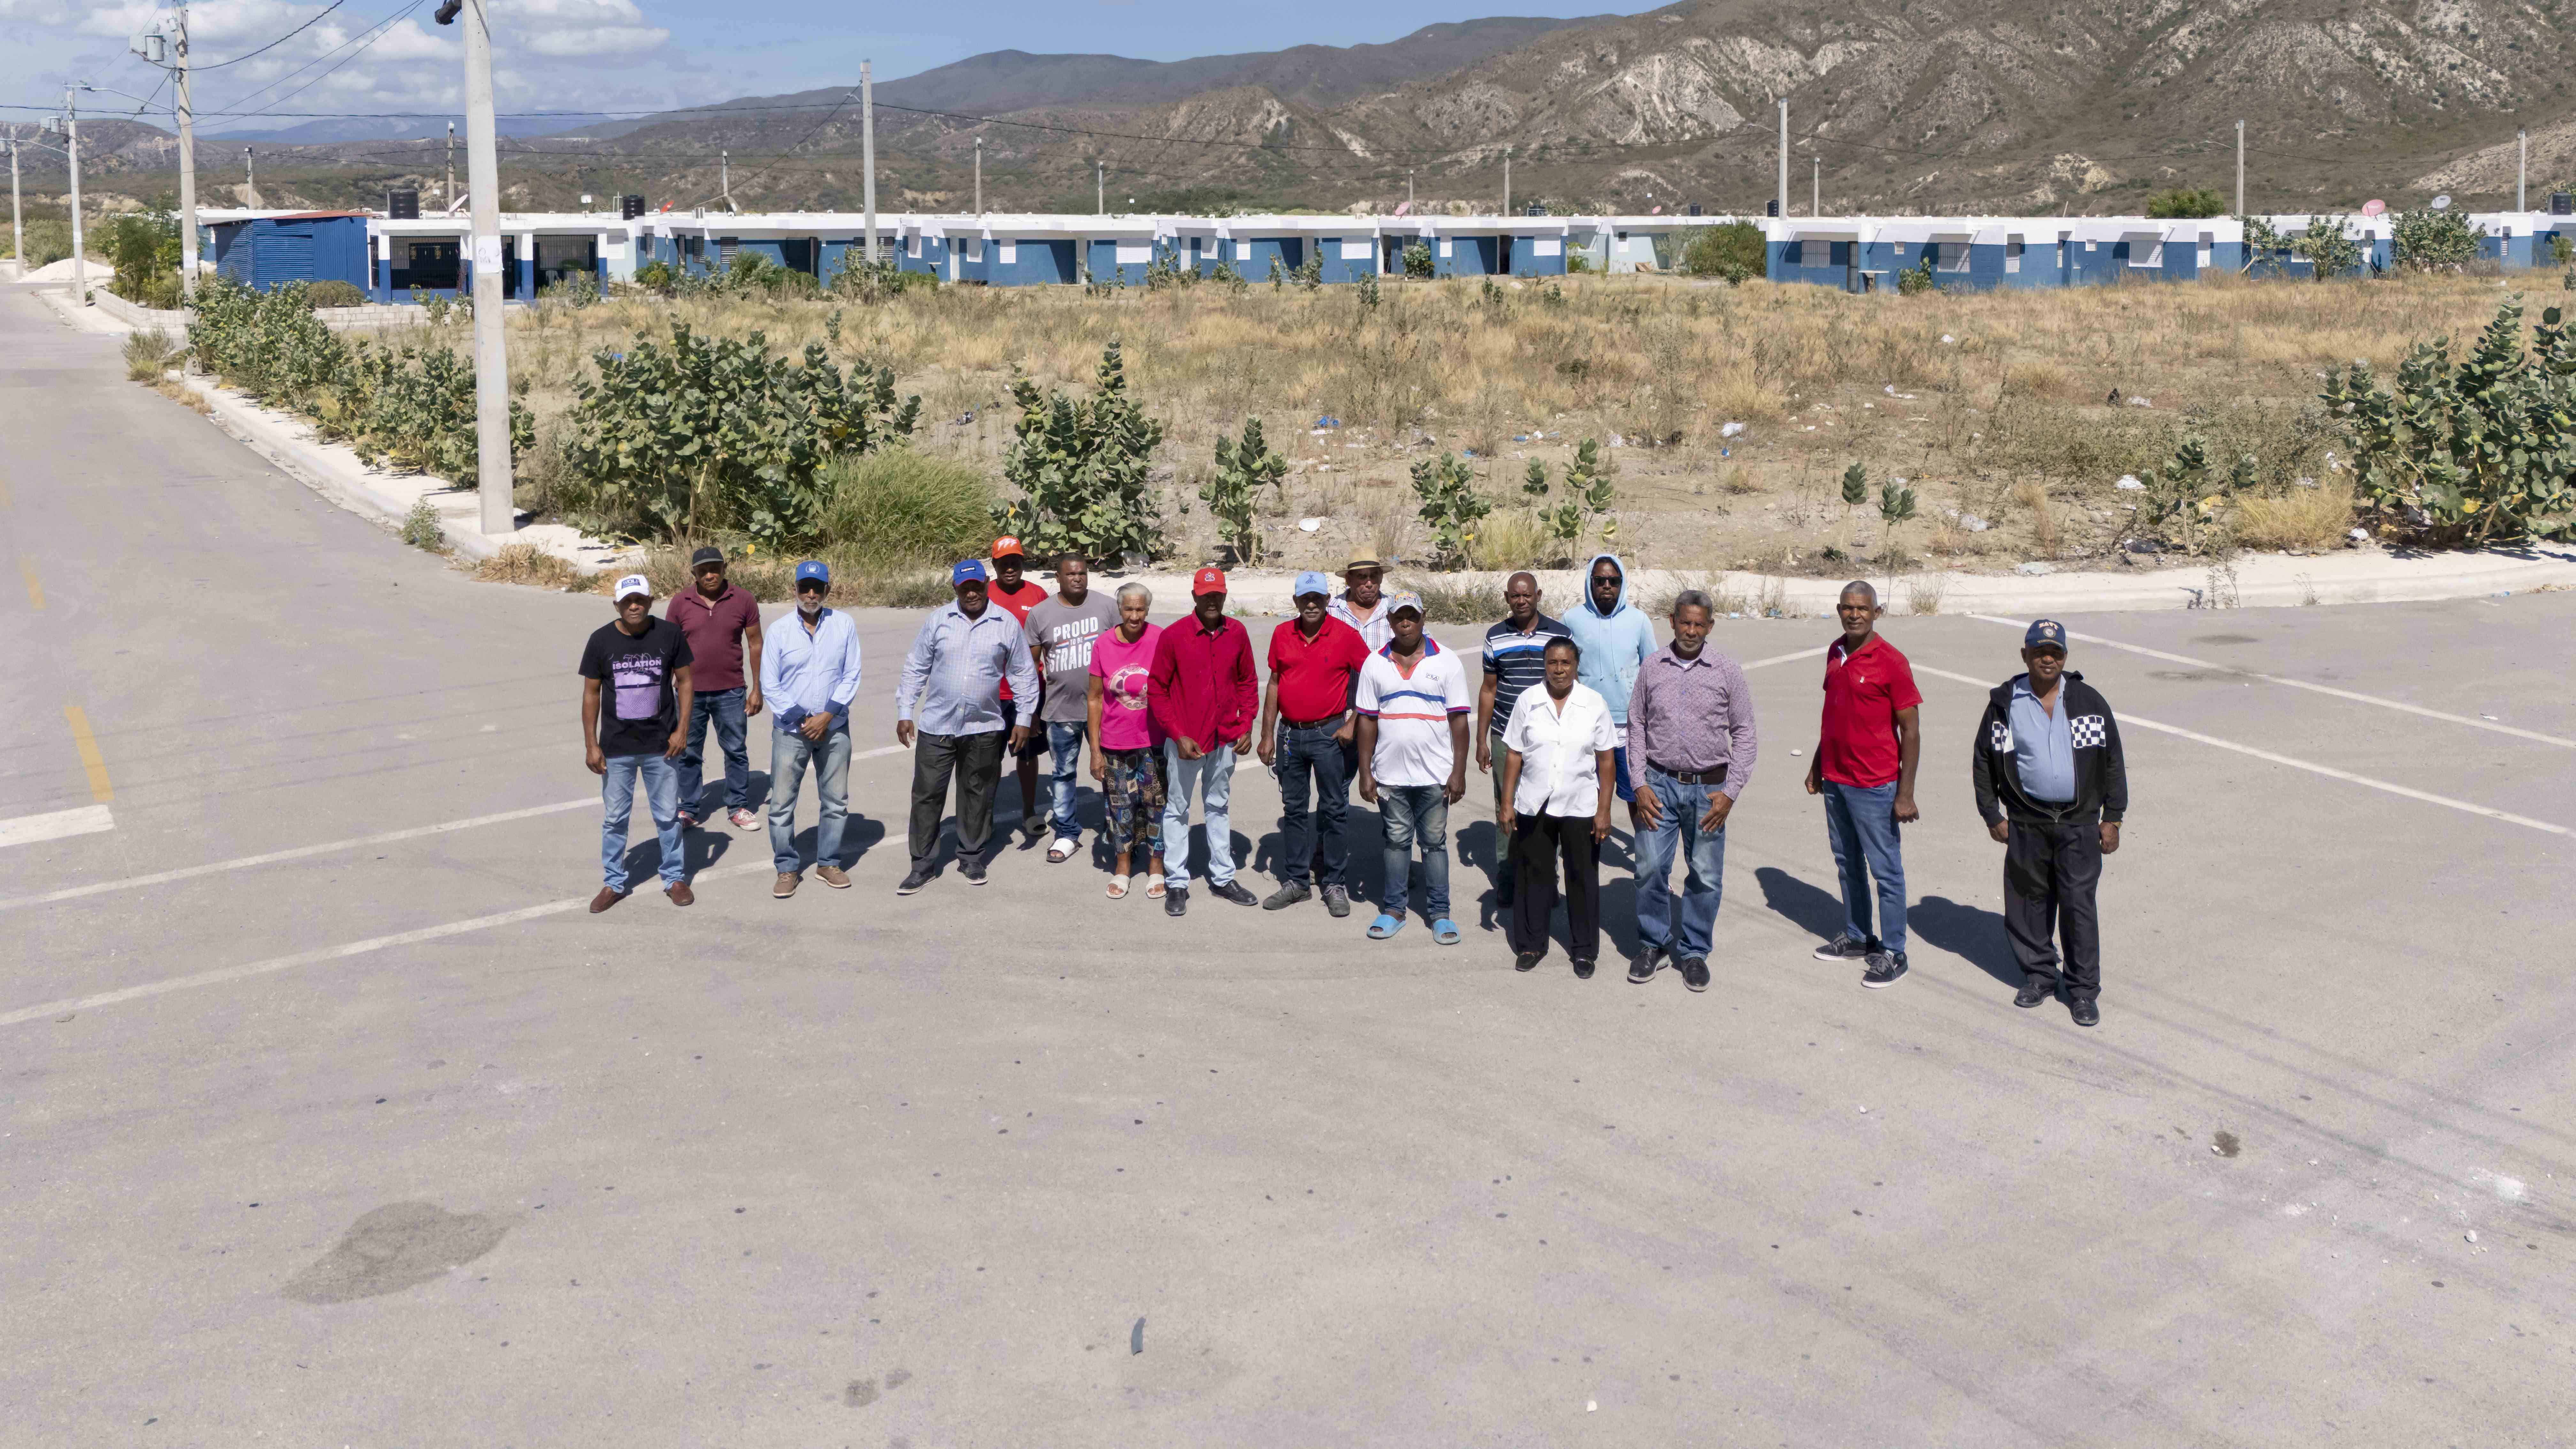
x=1570, y=716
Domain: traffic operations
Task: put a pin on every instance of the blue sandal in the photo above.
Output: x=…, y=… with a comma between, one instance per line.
x=1445, y=931
x=1385, y=926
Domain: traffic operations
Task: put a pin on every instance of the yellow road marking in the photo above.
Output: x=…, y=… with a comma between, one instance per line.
x=35, y=585
x=91, y=760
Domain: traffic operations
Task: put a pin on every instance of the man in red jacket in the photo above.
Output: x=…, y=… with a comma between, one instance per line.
x=1204, y=697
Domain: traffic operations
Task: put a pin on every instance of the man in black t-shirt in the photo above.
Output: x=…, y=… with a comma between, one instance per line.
x=634, y=695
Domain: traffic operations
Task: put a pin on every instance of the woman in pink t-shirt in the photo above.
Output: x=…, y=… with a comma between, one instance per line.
x=1126, y=750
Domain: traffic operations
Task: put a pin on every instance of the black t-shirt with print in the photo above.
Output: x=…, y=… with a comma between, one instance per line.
x=638, y=706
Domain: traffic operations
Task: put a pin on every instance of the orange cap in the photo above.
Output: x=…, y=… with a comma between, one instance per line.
x=1007, y=547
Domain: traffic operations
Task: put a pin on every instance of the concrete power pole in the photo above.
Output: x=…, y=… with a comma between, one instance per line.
x=2240, y=168
x=1408, y=188
x=80, y=247
x=17, y=222
x=1816, y=186
x=1100, y=188
x=448, y=197
x=2521, y=167
x=187, y=159
x=979, y=176
x=250, y=178
x=1507, y=181
x=1784, y=157
x=868, y=153
x=491, y=348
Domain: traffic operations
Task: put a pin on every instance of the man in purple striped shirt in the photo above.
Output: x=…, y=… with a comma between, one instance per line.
x=1691, y=746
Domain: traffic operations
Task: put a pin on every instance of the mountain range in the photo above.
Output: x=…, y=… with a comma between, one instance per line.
x=2023, y=106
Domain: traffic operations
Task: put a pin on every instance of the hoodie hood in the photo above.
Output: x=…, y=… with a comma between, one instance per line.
x=1588, y=604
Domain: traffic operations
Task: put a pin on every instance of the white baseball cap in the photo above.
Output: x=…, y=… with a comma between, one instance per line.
x=632, y=585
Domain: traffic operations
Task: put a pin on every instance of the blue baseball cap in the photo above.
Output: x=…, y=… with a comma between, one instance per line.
x=967, y=571
x=814, y=568
x=2045, y=634
x=1311, y=582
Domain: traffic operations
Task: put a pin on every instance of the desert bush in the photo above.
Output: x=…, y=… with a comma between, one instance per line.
x=143, y=247
x=2314, y=517
x=1417, y=261
x=414, y=407
x=1447, y=602
x=1450, y=505
x=335, y=293
x=708, y=433
x=1234, y=486
x=525, y=563
x=2328, y=247
x=2472, y=452
x=1918, y=279
x=2182, y=201
x=894, y=509
x=148, y=354
x=420, y=529
x=1733, y=252
x=860, y=282
x=47, y=241
x=1082, y=469
x=269, y=344
x=1515, y=539
x=2426, y=240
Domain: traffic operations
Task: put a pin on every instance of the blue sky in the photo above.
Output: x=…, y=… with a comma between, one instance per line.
x=632, y=54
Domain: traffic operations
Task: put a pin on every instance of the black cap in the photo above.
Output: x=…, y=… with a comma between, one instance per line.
x=705, y=556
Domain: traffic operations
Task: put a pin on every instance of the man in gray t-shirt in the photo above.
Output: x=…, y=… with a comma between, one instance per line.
x=1061, y=630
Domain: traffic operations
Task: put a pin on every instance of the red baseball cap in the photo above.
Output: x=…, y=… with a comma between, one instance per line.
x=1207, y=581
x=1007, y=547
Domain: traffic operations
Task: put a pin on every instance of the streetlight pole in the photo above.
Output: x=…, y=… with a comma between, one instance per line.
x=1507, y=181
x=1100, y=188
x=71, y=134
x=979, y=176
x=491, y=351
x=448, y=197
x=2521, y=167
x=2240, y=168
x=250, y=175
x=868, y=153
x=1784, y=157
x=17, y=221
x=187, y=160
x=1816, y=185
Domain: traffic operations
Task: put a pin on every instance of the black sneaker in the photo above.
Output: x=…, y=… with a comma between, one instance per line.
x=973, y=869
x=1175, y=902
x=2085, y=1012
x=1525, y=961
x=920, y=876
x=1694, y=971
x=2033, y=993
x=1842, y=948
x=1233, y=891
x=1885, y=968
x=1648, y=962
x=1337, y=901
x=1582, y=970
x=1289, y=895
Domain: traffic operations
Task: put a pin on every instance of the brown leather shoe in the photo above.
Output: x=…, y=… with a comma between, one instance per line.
x=681, y=895
x=608, y=896
x=788, y=880
x=833, y=876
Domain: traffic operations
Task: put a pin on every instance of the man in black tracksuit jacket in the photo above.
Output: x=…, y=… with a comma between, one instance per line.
x=2052, y=785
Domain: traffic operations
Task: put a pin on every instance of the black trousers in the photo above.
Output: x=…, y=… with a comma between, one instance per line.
x=2050, y=872
x=976, y=761
x=1538, y=842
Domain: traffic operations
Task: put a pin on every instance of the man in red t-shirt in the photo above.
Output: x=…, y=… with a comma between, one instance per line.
x=1019, y=596
x=1314, y=658
x=1864, y=767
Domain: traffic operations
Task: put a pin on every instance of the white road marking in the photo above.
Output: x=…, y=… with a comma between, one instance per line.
x=1784, y=658
x=2311, y=767
x=2327, y=689
x=275, y=857
x=28, y=829
x=276, y=964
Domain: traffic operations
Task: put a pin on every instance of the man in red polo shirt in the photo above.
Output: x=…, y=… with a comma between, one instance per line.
x=1018, y=595
x=1864, y=767
x=1314, y=658
x=721, y=622
x=1204, y=696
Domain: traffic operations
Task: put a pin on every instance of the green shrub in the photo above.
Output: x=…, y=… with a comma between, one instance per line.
x=2473, y=452
x=2182, y=202
x=892, y=509
x=709, y=433
x=1733, y=252
x=1451, y=505
x=143, y=247
x=2426, y=241
x=1417, y=261
x=420, y=528
x=861, y=282
x=1234, y=487
x=1918, y=279
x=1082, y=469
x=335, y=294
x=2326, y=246
x=148, y=354
x=48, y=241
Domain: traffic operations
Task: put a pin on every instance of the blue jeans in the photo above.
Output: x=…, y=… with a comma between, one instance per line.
x=1861, y=822
x=789, y=754
x=1212, y=776
x=1065, y=740
x=661, y=798
x=1410, y=813
x=1311, y=769
x=723, y=707
x=1691, y=932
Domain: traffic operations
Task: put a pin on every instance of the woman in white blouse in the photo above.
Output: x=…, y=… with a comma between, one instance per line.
x=1558, y=774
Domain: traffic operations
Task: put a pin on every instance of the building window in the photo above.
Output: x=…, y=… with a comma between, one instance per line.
x=2145, y=253
x=1950, y=256
x=1135, y=253
x=1839, y=253
x=912, y=246
x=2012, y=255
x=974, y=249
x=725, y=248
x=1444, y=246
x=1010, y=253
x=1794, y=255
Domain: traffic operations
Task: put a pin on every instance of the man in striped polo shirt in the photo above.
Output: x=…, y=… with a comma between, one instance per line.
x=1515, y=659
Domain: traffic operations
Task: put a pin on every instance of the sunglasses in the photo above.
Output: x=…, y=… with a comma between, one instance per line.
x=813, y=586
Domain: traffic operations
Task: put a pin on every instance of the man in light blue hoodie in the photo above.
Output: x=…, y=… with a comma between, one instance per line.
x=1616, y=637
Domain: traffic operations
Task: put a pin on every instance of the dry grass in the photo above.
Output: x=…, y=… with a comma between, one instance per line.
x=1509, y=538
x=525, y=563
x=2017, y=402
x=1923, y=593
x=2300, y=518
x=184, y=395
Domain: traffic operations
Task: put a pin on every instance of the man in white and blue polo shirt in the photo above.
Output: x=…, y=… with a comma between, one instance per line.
x=1515, y=659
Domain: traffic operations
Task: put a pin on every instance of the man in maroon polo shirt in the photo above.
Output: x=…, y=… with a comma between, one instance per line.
x=1314, y=658
x=1864, y=767
x=721, y=622
x=1204, y=695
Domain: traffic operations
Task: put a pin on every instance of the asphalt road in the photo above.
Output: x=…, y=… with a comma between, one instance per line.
x=387, y=1142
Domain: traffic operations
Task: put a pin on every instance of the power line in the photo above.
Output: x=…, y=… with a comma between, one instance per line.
x=274, y=44
x=362, y=40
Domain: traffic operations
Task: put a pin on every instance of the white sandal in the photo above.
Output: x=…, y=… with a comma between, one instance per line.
x=1061, y=851
x=1118, y=887
x=1153, y=887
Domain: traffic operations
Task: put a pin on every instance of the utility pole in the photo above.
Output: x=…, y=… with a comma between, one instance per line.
x=71, y=136
x=1816, y=186
x=187, y=160
x=1784, y=156
x=250, y=170
x=1408, y=188
x=868, y=153
x=17, y=222
x=491, y=354
x=2521, y=167
x=449, y=195
x=979, y=176
x=1100, y=188
x=724, y=176
x=2240, y=169
x=1507, y=181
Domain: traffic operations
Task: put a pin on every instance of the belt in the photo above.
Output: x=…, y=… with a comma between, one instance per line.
x=1692, y=777
x=1315, y=724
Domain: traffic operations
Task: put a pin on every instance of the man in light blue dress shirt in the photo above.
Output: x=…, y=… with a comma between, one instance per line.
x=809, y=674
x=953, y=678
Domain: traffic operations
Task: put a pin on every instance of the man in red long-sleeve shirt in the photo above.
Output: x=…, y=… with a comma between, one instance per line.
x=1204, y=697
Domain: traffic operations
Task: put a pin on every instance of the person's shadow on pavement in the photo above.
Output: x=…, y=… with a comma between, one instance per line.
x=1971, y=932
x=1817, y=912
x=859, y=835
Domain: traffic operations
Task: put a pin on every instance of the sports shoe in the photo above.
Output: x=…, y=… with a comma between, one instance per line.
x=1176, y=902
x=1842, y=948
x=1288, y=895
x=688, y=819
x=2086, y=1012
x=742, y=819
x=1648, y=962
x=786, y=884
x=972, y=868
x=1694, y=971
x=919, y=877
x=1337, y=901
x=2032, y=993
x=1885, y=967
x=833, y=876
x=1233, y=891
